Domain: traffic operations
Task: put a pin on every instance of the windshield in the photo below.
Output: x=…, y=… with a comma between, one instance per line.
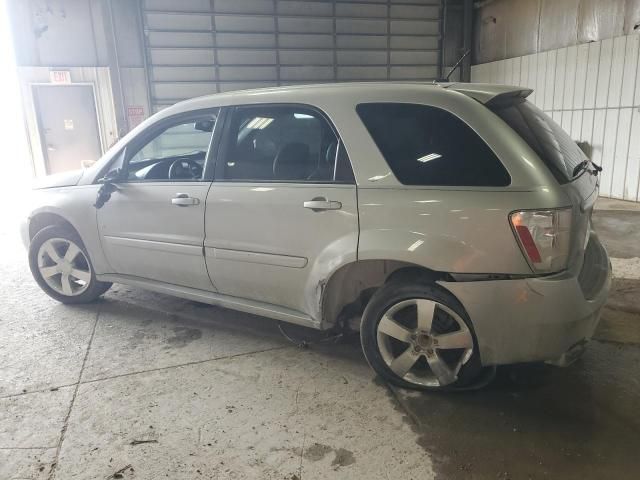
x=552, y=144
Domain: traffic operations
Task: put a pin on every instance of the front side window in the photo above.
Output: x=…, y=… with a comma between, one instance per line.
x=177, y=152
x=283, y=144
x=429, y=146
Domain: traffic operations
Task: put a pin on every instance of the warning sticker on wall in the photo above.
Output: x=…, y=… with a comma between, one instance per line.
x=68, y=124
x=135, y=115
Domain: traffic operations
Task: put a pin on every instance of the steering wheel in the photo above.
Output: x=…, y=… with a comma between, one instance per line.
x=185, y=168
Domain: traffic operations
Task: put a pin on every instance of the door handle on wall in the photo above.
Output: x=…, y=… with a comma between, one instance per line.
x=184, y=200
x=320, y=204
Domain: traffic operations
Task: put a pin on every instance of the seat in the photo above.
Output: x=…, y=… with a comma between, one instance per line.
x=293, y=162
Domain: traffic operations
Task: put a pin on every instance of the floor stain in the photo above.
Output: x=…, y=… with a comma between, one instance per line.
x=183, y=336
x=536, y=421
x=620, y=319
x=343, y=458
x=317, y=452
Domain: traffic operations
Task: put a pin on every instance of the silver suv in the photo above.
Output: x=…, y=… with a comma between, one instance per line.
x=453, y=221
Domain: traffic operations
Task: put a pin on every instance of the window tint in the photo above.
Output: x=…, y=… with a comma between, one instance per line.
x=429, y=146
x=552, y=144
x=282, y=143
x=176, y=153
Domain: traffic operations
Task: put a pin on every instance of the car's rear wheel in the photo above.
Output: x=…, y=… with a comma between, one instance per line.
x=61, y=266
x=419, y=336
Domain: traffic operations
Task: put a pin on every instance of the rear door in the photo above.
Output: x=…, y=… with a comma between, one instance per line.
x=283, y=203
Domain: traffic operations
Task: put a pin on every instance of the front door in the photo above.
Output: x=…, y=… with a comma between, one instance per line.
x=153, y=225
x=283, y=206
x=68, y=125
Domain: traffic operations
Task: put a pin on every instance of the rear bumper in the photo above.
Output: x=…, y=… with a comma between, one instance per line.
x=537, y=319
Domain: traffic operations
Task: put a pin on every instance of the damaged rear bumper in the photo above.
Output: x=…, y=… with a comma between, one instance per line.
x=547, y=319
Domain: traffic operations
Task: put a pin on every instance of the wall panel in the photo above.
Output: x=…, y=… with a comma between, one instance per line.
x=632, y=174
x=593, y=92
x=252, y=43
x=513, y=28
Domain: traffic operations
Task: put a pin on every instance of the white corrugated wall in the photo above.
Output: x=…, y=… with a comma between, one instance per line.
x=593, y=91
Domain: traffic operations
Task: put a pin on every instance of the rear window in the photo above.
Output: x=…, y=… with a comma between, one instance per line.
x=425, y=145
x=552, y=144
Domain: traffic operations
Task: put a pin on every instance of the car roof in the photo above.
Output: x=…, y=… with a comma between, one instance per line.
x=482, y=92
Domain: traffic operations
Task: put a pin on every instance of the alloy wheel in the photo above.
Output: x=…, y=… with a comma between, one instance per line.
x=424, y=342
x=64, y=266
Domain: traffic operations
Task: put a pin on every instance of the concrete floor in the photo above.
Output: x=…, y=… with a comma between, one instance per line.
x=145, y=386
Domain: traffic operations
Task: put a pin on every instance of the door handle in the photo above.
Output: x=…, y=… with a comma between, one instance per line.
x=320, y=204
x=184, y=200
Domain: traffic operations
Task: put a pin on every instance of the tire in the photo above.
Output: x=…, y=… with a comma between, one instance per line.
x=396, y=332
x=55, y=274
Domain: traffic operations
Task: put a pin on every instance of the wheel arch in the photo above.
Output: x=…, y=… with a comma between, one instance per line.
x=83, y=225
x=346, y=292
x=44, y=219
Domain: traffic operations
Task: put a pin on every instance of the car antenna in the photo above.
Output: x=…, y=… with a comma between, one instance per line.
x=453, y=69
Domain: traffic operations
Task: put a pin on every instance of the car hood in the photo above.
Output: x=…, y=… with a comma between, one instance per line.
x=66, y=179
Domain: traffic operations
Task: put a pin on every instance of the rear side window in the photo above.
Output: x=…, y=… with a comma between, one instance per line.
x=426, y=145
x=552, y=144
x=280, y=143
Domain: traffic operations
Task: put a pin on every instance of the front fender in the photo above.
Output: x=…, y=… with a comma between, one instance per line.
x=74, y=205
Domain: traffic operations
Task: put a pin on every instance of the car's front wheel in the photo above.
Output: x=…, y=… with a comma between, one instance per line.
x=418, y=336
x=61, y=266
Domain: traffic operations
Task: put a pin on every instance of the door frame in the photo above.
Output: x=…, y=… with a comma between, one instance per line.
x=157, y=128
x=33, y=86
x=106, y=111
x=223, y=146
x=139, y=141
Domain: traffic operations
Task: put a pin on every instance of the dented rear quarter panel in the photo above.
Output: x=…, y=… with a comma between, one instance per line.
x=445, y=230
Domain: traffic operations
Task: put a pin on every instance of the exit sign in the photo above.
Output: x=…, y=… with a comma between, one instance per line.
x=60, y=76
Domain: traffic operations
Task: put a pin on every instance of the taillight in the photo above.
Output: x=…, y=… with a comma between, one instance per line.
x=544, y=237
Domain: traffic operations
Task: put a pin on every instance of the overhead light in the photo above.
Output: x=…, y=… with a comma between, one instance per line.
x=415, y=245
x=302, y=115
x=428, y=158
x=259, y=123
x=379, y=177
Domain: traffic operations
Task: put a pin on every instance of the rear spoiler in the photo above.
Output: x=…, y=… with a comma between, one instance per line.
x=491, y=95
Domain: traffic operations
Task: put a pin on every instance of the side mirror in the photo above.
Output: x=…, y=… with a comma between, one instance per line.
x=108, y=187
x=112, y=176
x=204, y=126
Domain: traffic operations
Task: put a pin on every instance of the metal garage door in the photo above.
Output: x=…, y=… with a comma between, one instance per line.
x=197, y=47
